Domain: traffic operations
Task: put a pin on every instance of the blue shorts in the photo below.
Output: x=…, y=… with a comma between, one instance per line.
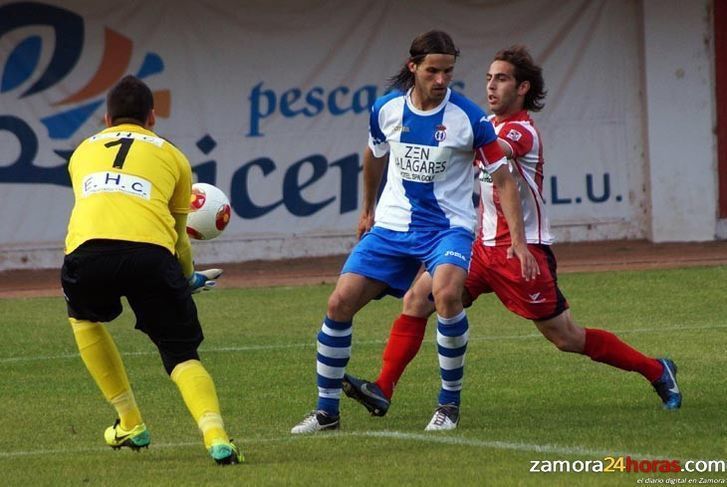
x=395, y=257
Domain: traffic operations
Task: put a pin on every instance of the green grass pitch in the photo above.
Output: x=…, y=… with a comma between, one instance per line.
x=523, y=400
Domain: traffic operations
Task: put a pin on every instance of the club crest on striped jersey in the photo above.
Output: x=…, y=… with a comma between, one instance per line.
x=441, y=133
x=513, y=135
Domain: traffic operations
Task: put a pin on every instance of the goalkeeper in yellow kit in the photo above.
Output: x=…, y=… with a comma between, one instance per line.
x=127, y=237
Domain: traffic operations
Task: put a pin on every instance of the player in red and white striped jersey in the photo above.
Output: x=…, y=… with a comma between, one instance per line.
x=519, y=137
x=514, y=88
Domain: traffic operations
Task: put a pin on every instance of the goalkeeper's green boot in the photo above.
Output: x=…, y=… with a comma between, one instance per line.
x=136, y=438
x=226, y=453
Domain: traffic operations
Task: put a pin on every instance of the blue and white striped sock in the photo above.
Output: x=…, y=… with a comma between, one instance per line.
x=452, y=338
x=334, y=350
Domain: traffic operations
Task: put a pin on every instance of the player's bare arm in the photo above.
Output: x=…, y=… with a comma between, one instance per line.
x=506, y=148
x=507, y=187
x=373, y=169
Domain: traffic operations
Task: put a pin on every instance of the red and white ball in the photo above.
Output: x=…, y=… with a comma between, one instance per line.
x=209, y=212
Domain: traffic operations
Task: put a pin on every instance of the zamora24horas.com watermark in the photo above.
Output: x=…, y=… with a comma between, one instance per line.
x=626, y=464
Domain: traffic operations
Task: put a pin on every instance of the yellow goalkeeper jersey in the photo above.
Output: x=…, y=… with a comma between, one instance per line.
x=127, y=182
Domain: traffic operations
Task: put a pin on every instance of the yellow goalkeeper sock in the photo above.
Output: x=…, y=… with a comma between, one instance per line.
x=199, y=394
x=103, y=361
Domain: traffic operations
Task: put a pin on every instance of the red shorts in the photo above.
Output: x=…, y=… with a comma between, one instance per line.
x=491, y=271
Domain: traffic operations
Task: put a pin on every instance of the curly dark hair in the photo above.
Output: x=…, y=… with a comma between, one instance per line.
x=526, y=70
x=432, y=42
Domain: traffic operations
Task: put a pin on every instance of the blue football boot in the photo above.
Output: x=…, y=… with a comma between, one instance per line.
x=667, y=386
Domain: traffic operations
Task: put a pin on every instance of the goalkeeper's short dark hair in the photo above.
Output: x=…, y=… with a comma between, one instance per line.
x=129, y=99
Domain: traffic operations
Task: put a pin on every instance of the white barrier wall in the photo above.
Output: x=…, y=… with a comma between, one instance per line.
x=270, y=103
x=681, y=120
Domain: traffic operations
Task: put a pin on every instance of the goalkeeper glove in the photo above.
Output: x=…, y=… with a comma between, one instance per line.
x=204, y=280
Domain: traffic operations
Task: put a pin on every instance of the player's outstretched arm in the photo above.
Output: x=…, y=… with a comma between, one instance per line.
x=507, y=187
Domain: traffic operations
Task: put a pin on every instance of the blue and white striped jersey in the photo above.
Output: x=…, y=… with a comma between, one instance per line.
x=430, y=178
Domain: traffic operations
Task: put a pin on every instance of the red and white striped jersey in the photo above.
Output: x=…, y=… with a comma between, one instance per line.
x=526, y=164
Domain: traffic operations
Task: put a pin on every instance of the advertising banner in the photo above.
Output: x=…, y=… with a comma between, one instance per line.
x=270, y=102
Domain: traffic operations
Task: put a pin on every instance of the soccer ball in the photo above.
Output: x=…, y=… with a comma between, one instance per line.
x=209, y=212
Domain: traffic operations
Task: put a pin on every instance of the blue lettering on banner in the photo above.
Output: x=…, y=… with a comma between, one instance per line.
x=293, y=103
x=606, y=189
x=206, y=172
x=556, y=198
x=292, y=196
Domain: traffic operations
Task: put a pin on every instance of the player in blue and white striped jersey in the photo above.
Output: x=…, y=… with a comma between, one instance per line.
x=432, y=137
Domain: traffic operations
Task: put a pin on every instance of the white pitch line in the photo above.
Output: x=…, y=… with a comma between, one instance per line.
x=392, y=435
x=311, y=344
x=502, y=445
